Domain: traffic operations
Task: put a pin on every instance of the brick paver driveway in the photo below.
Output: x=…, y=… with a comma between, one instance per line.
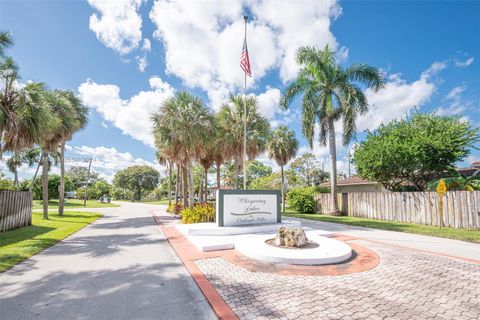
x=407, y=284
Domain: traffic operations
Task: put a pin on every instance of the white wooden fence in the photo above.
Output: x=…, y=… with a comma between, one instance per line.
x=15, y=209
x=461, y=209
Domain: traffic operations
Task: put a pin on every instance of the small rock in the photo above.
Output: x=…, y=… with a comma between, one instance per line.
x=291, y=237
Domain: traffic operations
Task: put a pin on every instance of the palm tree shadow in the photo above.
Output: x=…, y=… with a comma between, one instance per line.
x=152, y=291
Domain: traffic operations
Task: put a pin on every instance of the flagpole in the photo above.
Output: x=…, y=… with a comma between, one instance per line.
x=245, y=18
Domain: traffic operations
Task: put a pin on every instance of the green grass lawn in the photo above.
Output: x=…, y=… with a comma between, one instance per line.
x=162, y=202
x=72, y=203
x=20, y=244
x=452, y=233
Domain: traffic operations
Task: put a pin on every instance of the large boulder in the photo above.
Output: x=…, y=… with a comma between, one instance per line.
x=291, y=237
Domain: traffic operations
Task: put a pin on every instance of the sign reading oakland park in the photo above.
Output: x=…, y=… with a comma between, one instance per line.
x=245, y=207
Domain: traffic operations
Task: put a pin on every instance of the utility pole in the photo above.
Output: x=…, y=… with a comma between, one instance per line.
x=86, y=183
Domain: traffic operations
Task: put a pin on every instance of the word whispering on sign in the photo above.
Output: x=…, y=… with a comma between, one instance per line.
x=240, y=207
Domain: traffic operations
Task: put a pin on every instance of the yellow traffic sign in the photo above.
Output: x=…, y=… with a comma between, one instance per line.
x=441, y=188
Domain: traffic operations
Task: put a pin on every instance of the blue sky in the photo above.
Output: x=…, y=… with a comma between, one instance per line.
x=125, y=57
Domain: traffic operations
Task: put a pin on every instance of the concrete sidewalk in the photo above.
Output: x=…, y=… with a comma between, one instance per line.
x=444, y=246
x=119, y=267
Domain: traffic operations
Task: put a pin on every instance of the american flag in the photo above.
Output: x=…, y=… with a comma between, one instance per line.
x=245, y=60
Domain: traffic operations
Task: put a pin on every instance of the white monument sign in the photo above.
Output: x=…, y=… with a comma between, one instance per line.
x=246, y=207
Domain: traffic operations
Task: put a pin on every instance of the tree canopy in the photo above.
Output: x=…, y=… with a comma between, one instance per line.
x=414, y=151
x=137, y=179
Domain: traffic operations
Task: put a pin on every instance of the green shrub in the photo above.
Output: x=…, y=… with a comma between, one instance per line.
x=301, y=199
x=175, y=208
x=322, y=189
x=200, y=212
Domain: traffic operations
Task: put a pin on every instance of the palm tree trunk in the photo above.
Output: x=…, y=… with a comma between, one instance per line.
x=283, y=190
x=218, y=175
x=190, y=183
x=200, y=188
x=206, y=184
x=61, y=197
x=184, y=185
x=15, y=177
x=35, y=175
x=169, y=183
x=333, y=168
x=177, y=184
x=235, y=174
x=45, y=185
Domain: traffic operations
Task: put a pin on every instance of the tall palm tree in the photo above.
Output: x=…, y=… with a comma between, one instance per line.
x=230, y=118
x=183, y=122
x=330, y=93
x=282, y=147
x=63, y=111
x=77, y=120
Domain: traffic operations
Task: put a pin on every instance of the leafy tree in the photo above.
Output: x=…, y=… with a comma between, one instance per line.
x=306, y=171
x=97, y=190
x=272, y=181
x=78, y=175
x=5, y=184
x=137, y=180
x=414, y=151
x=256, y=169
x=330, y=93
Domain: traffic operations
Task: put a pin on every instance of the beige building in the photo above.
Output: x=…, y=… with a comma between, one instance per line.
x=357, y=184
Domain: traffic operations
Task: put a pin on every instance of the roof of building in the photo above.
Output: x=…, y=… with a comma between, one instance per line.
x=470, y=171
x=351, y=182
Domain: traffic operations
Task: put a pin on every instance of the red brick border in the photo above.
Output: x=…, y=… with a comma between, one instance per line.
x=184, y=250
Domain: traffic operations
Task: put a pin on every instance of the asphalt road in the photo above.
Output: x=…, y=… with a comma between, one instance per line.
x=119, y=267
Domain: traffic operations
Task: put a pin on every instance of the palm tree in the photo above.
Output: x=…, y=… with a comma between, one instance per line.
x=77, y=120
x=457, y=182
x=29, y=156
x=63, y=111
x=24, y=119
x=282, y=147
x=184, y=123
x=230, y=118
x=5, y=42
x=330, y=94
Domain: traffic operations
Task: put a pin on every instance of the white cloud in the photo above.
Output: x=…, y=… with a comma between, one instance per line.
x=434, y=69
x=398, y=97
x=132, y=115
x=203, y=40
x=269, y=102
x=141, y=63
x=463, y=64
x=118, y=24
x=455, y=93
x=456, y=105
x=142, y=60
x=107, y=161
x=147, y=46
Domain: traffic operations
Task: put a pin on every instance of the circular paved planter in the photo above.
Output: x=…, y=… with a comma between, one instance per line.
x=329, y=251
